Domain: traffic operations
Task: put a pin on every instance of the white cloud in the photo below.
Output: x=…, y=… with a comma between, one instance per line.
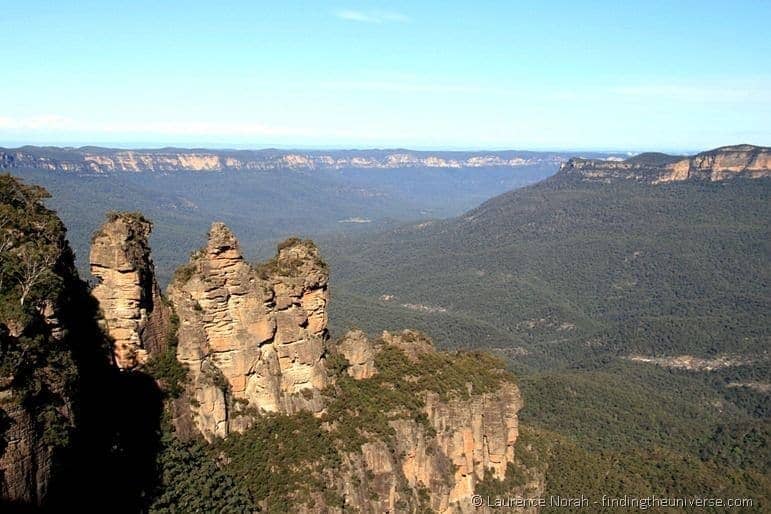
x=41, y=122
x=372, y=16
x=697, y=92
x=60, y=124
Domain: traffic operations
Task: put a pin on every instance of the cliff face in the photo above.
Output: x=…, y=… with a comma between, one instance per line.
x=37, y=373
x=715, y=165
x=135, y=315
x=252, y=338
x=103, y=160
x=437, y=457
x=413, y=428
x=410, y=428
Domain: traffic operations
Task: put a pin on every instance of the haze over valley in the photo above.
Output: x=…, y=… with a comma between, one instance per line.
x=268, y=194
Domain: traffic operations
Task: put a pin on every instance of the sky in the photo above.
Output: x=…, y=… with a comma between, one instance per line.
x=632, y=75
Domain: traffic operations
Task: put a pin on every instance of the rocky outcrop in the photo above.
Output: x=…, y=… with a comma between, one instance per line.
x=360, y=354
x=135, y=315
x=466, y=437
x=715, y=165
x=37, y=373
x=106, y=160
x=25, y=458
x=253, y=338
x=255, y=341
x=401, y=427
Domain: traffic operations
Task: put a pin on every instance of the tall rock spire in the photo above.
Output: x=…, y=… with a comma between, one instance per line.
x=252, y=337
x=135, y=315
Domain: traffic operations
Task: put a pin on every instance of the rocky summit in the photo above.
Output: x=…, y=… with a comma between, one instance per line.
x=656, y=168
x=257, y=333
x=255, y=343
x=135, y=315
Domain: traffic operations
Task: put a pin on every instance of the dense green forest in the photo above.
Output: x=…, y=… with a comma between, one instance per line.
x=566, y=279
x=566, y=270
x=264, y=207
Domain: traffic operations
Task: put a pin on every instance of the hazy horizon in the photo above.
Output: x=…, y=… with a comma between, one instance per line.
x=137, y=145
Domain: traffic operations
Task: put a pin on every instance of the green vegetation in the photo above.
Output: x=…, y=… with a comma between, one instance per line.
x=291, y=241
x=566, y=278
x=191, y=480
x=361, y=409
x=184, y=273
x=165, y=367
x=287, y=267
x=489, y=486
x=631, y=405
x=281, y=460
x=570, y=270
x=562, y=279
x=741, y=445
x=35, y=262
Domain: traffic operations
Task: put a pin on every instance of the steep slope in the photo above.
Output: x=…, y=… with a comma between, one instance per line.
x=110, y=160
x=397, y=426
x=260, y=332
x=37, y=369
x=571, y=267
x=715, y=165
x=136, y=316
x=635, y=313
x=74, y=432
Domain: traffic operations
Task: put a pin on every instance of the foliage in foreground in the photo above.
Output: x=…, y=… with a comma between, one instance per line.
x=281, y=460
x=192, y=481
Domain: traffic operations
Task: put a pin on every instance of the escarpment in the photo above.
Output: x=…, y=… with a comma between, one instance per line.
x=359, y=424
x=135, y=315
x=430, y=428
x=37, y=371
x=252, y=338
x=412, y=428
x=716, y=165
x=91, y=160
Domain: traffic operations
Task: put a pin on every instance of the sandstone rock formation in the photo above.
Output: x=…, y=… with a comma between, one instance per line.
x=360, y=354
x=37, y=375
x=106, y=160
x=251, y=337
x=465, y=438
x=715, y=165
x=26, y=459
x=135, y=315
x=254, y=339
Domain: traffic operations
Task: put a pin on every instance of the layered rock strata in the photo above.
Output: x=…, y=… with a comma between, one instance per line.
x=252, y=337
x=106, y=160
x=715, y=165
x=254, y=340
x=437, y=464
x=135, y=315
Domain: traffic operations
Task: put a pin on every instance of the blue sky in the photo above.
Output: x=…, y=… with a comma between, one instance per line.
x=647, y=75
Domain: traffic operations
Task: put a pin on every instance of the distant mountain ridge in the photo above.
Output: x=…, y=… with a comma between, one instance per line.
x=714, y=165
x=107, y=160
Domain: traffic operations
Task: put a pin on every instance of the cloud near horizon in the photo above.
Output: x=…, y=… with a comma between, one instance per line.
x=61, y=124
x=372, y=16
